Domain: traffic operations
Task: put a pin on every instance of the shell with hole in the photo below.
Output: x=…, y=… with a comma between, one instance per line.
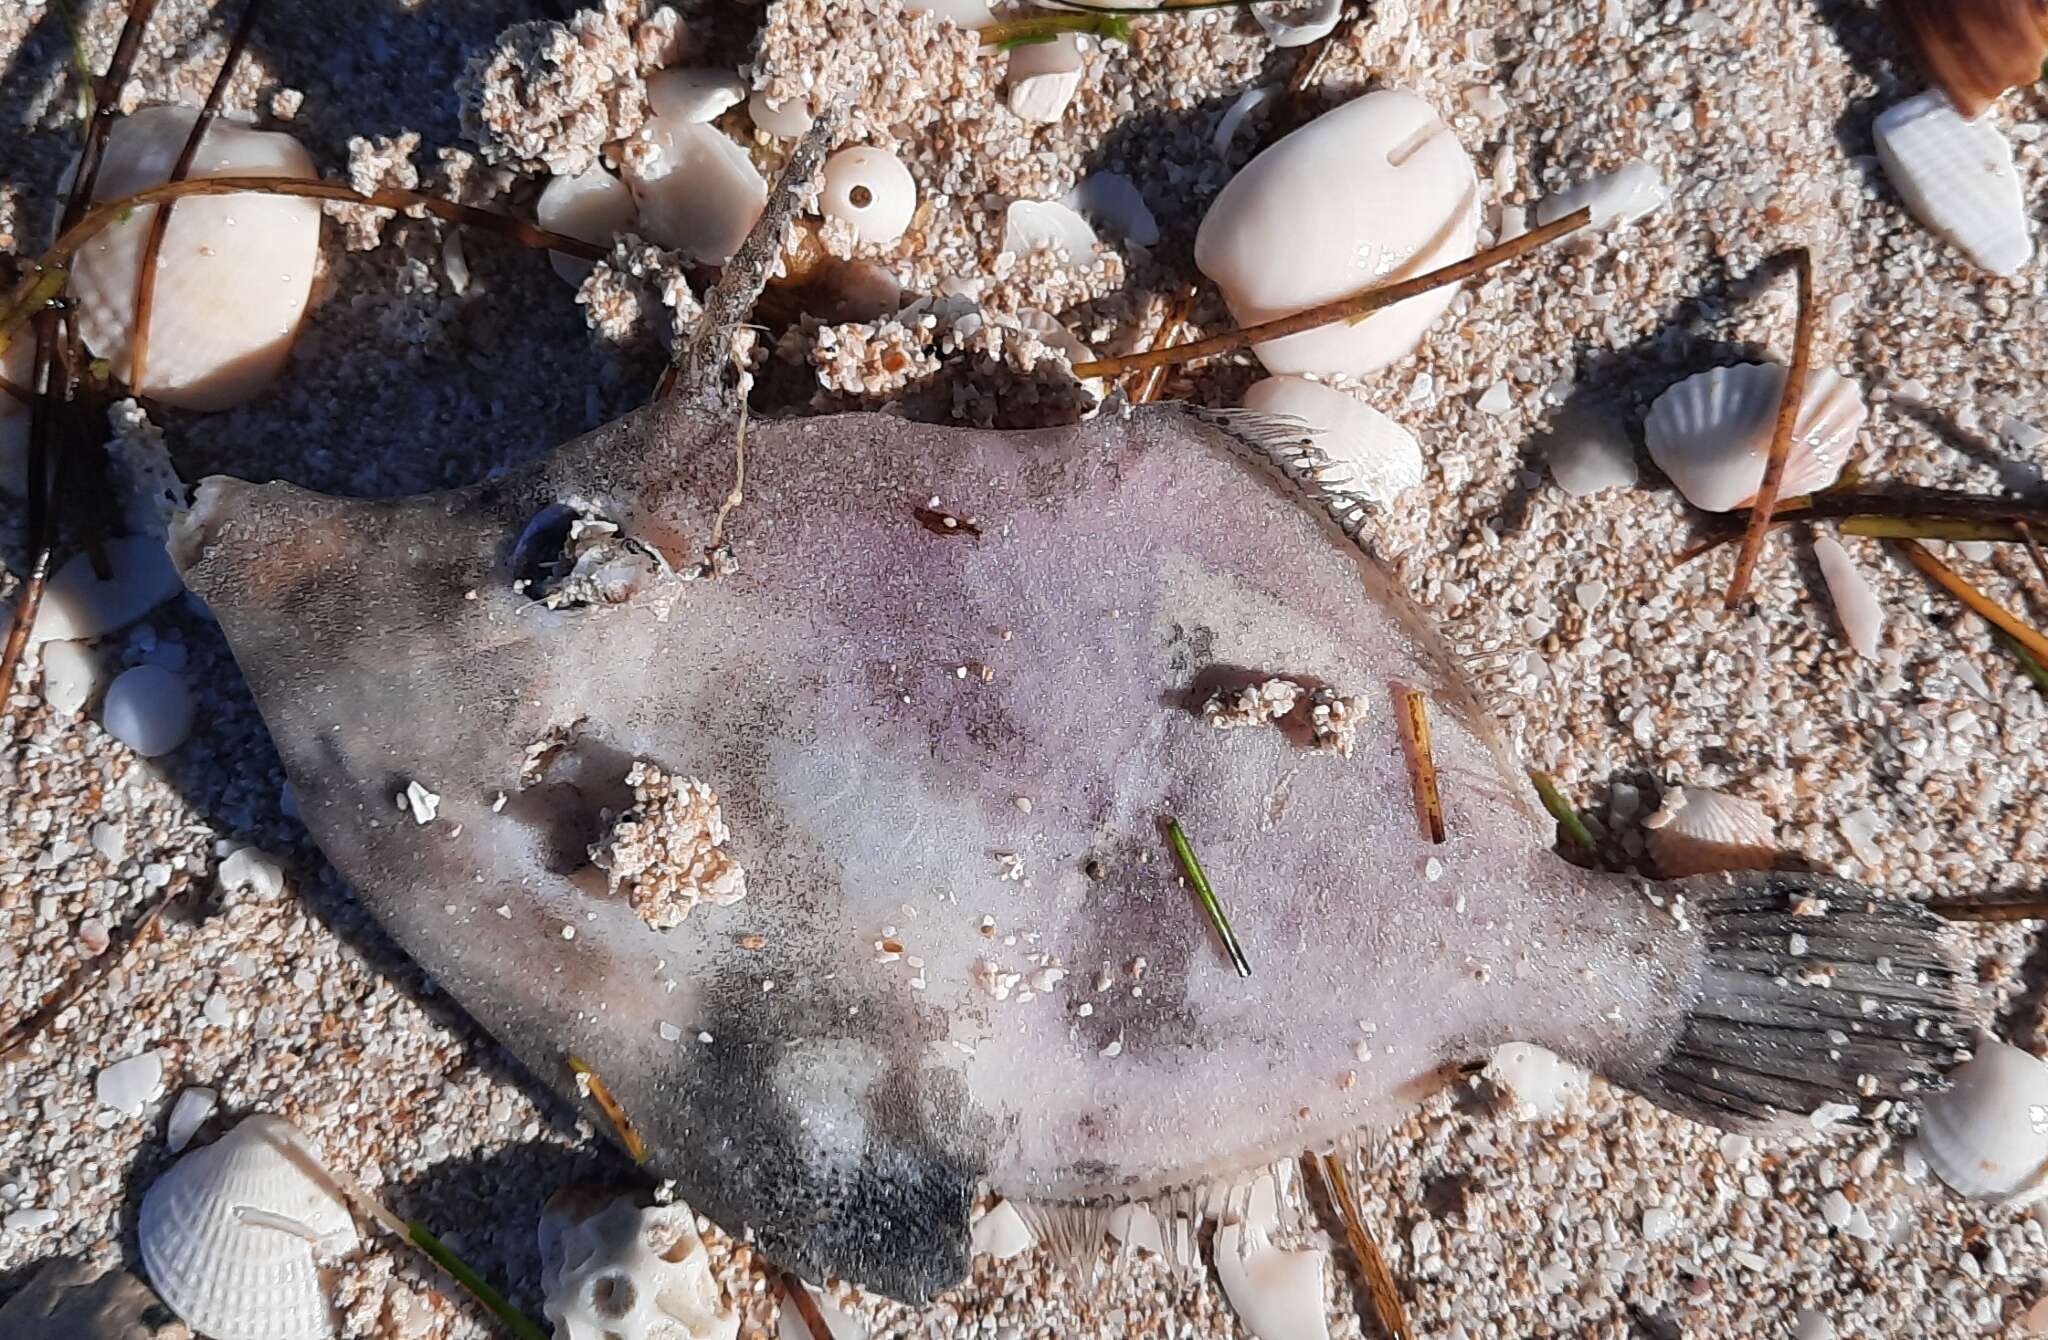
x=234, y=273
x=1711, y=433
x=1957, y=178
x=234, y=1235
x=613, y=1269
x=1983, y=1135
x=1697, y=831
x=1977, y=49
x=870, y=190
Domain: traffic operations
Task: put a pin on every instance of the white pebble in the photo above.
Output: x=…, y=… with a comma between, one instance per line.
x=188, y=1114
x=149, y=709
x=254, y=869
x=28, y=1221
x=127, y=1086
x=73, y=675
x=77, y=604
x=1624, y=195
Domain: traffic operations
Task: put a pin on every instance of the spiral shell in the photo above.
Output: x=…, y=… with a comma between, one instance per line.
x=1977, y=49
x=233, y=1235
x=1986, y=1135
x=1712, y=432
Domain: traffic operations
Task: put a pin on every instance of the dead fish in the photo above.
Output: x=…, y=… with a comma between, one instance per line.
x=837, y=847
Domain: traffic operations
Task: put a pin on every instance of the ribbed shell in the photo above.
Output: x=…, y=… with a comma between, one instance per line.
x=214, y=1247
x=1958, y=179
x=1369, y=454
x=1981, y=1135
x=1698, y=831
x=1711, y=433
x=1977, y=49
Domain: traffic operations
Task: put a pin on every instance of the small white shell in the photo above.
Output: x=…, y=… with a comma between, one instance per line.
x=73, y=675
x=697, y=191
x=1589, y=451
x=1696, y=831
x=593, y=206
x=188, y=1114
x=234, y=273
x=871, y=190
x=1292, y=25
x=1116, y=200
x=1001, y=1233
x=783, y=120
x=1622, y=196
x=614, y=1270
x=1711, y=433
x=233, y=1235
x=1984, y=1135
x=77, y=604
x=1277, y=1292
x=1370, y=455
x=1855, y=603
x=694, y=95
x=1031, y=225
x=149, y=709
x=1308, y=221
x=1051, y=333
x=131, y=1084
x=1233, y=116
x=1957, y=178
x=1043, y=78
x=968, y=14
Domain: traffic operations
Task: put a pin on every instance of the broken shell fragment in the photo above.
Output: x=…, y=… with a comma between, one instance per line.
x=1589, y=450
x=697, y=191
x=593, y=206
x=968, y=14
x=1542, y=1083
x=1048, y=225
x=234, y=273
x=78, y=604
x=1697, y=831
x=1855, y=603
x=1957, y=178
x=1711, y=433
x=1043, y=78
x=783, y=120
x=1977, y=49
x=1277, y=1292
x=612, y=1269
x=1001, y=1233
x=1116, y=200
x=1376, y=191
x=1296, y=25
x=1983, y=1135
x=694, y=95
x=870, y=190
x=233, y=1235
x=1369, y=454
x=1624, y=195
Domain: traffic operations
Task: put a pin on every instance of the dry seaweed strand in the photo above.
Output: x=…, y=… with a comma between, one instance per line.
x=1355, y=307
x=1380, y=1290
x=1979, y=603
x=24, y=1030
x=1789, y=402
x=614, y=1112
x=1145, y=388
x=1978, y=909
x=2033, y=548
x=795, y=1295
x=1568, y=820
x=159, y=222
x=1928, y=515
x=1414, y=720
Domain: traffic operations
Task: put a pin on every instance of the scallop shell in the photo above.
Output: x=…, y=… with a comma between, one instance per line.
x=1043, y=78
x=592, y=206
x=1985, y=1135
x=870, y=189
x=1957, y=178
x=1370, y=455
x=1855, y=603
x=1697, y=831
x=697, y=191
x=1711, y=433
x=1308, y=221
x=233, y=1235
x=1977, y=49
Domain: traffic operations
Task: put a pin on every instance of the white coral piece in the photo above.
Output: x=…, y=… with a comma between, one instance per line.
x=622, y=1271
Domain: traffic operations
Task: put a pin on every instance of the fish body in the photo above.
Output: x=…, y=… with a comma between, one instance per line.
x=947, y=687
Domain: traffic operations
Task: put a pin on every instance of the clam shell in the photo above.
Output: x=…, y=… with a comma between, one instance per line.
x=1711, y=433
x=870, y=189
x=1697, y=831
x=1030, y=225
x=592, y=206
x=1977, y=49
x=233, y=1234
x=1370, y=455
x=1984, y=1135
x=1957, y=178
x=783, y=120
x=697, y=191
x=234, y=273
x=1314, y=218
x=1855, y=603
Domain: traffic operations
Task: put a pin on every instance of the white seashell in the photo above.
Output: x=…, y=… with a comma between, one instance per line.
x=871, y=190
x=694, y=95
x=1542, y=1083
x=188, y=1114
x=1043, y=78
x=30, y=1220
x=1032, y=225
x=697, y=191
x=1233, y=116
x=1375, y=191
x=1711, y=433
x=1001, y=1233
x=234, y=273
x=593, y=206
x=1983, y=1135
x=1371, y=456
x=78, y=605
x=149, y=709
x=73, y=675
x=1957, y=177
x=1276, y=1292
x=1622, y=196
x=784, y=120
x=1292, y=25
x=1695, y=831
x=968, y=14
x=1137, y=1228
x=132, y=1084
x=1588, y=451
x=612, y=1269
x=1855, y=603
x=253, y=869
x=233, y=1235
x=839, y=1324
x=1116, y=200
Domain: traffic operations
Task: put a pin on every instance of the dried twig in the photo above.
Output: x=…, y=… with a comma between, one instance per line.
x=1145, y=388
x=1979, y=603
x=1976, y=909
x=2033, y=548
x=1380, y=1289
x=614, y=1111
x=1929, y=515
x=795, y=1295
x=1356, y=307
x=24, y=1030
x=1789, y=403
x=1414, y=723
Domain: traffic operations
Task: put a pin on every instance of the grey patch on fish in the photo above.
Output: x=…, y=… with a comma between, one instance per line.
x=1813, y=991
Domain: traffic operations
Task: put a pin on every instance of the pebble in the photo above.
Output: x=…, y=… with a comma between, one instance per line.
x=193, y=1106
x=1588, y=450
x=127, y=1086
x=28, y=1220
x=73, y=675
x=253, y=869
x=149, y=709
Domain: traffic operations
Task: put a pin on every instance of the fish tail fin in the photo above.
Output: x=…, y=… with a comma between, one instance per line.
x=1818, y=1000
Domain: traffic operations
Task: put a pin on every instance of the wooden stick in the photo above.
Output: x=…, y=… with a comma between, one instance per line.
x=24, y=1030
x=1980, y=604
x=794, y=1294
x=1353, y=308
x=1380, y=1289
x=2033, y=548
x=1789, y=404
x=1414, y=722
